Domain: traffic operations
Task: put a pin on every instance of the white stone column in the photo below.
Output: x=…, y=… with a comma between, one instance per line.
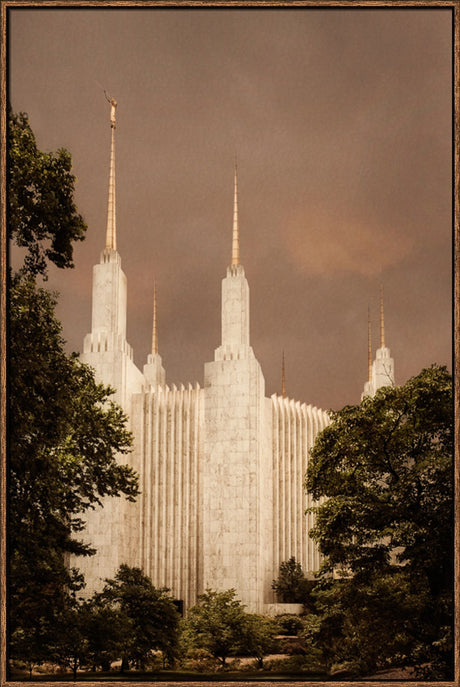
x=106, y=350
x=109, y=295
x=235, y=312
x=154, y=371
x=236, y=494
x=383, y=369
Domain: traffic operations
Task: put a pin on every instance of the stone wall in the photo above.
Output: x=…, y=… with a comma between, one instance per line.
x=295, y=427
x=168, y=428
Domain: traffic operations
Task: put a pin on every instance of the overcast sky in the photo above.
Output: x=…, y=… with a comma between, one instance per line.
x=341, y=120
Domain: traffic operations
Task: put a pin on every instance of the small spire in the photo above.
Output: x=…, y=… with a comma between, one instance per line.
x=283, y=379
x=154, y=333
x=369, y=344
x=382, y=322
x=111, y=234
x=236, y=237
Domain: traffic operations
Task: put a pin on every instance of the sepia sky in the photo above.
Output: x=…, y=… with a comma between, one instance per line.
x=341, y=120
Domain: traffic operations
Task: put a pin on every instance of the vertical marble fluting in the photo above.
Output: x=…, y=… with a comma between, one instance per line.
x=294, y=429
x=167, y=423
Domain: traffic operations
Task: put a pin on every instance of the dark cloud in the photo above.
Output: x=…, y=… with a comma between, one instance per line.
x=341, y=121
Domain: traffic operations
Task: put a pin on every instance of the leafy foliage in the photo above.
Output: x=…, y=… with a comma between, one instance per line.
x=69, y=648
x=42, y=216
x=258, y=638
x=289, y=624
x=292, y=586
x=216, y=623
x=65, y=435
x=64, y=438
x=107, y=631
x=149, y=612
x=385, y=468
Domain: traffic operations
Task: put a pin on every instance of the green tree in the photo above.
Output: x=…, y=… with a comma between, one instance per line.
x=41, y=212
x=315, y=650
x=365, y=626
x=292, y=586
x=385, y=468
x=289, y=624
x=258, y=637
x=108, y=631
x=216, y=623
x=28, y=644
x=151, y=612
x=70, y=646
x=64, y=438
x=64, y=433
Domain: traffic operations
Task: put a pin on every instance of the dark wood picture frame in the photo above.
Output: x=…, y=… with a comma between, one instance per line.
x=6, y=6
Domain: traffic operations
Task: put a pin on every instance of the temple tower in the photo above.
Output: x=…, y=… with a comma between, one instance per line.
x=154, y=372
x=106, y=350
x=220, y=467
x=236, y=488
x=381, y=371
x=368, y=387
x=109, y=281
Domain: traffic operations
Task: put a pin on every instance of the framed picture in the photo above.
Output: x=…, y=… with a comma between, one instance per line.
x=230, y=253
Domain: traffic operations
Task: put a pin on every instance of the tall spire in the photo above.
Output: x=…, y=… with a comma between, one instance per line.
x=154, y=333
x=382, y=322
x=236, y=237
x=369, y=345
x=154, y=371
x=111, y=235
x=283, y=380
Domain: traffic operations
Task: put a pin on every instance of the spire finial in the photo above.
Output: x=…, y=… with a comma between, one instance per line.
x=236, y=237
x=283, y=379
x=111, y=235
x=154, y=332
x=369, y=344
x=382, y=322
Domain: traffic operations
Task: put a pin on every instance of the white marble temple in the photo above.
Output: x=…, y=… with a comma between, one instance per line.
x=221, y=466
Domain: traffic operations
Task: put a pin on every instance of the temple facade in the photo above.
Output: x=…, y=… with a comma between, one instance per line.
x=382, y=369
x=221, y=466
